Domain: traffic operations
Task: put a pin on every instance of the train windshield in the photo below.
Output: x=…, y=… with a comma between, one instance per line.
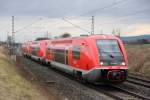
x=109, y=53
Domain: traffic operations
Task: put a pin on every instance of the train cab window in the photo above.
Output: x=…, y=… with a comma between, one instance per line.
x=110, y=52
x=76, y=52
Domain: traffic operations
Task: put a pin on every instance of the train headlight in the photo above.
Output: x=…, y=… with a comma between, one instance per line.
x=101, y=63
x=123, y=63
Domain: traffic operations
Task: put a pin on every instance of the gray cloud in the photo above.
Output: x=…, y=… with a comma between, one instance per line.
x=60, y=8
x=108, y=18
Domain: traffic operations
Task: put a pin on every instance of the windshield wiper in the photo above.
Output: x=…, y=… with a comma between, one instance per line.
x=108, y=53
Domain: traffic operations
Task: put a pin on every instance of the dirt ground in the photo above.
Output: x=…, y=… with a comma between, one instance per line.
x=14, y=86
x=139, y=59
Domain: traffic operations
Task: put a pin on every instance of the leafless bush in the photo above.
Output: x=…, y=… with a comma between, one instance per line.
x=139, y=58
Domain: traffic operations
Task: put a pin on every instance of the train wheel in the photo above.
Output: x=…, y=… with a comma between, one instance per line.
x=78, y=76
x=44, y=62
x=49, y=63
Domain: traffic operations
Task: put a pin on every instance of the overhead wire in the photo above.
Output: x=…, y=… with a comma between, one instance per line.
x=95, y=10
x=128, y=15
x=76, y=25
x=100, y=9
x=28, y=25
x=92, y=11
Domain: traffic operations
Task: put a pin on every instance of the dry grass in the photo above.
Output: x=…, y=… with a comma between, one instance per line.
x=13, y=86
x=139, y=58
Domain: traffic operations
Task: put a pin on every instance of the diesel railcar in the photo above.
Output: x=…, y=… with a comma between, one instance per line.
x=95, y=58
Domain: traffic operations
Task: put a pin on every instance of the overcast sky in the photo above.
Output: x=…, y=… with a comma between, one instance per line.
x=131, y=17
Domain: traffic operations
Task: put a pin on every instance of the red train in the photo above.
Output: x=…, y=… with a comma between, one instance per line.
x=37, y=51
x=26, y=49
x=95, y=58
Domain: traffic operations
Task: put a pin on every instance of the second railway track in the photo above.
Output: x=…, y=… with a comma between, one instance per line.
x=139, y=81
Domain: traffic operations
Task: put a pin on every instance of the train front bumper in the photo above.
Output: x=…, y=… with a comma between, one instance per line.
x=106, y=75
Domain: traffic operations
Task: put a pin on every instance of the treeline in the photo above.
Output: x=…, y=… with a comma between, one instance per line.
x=138, y=41
x=64, y=35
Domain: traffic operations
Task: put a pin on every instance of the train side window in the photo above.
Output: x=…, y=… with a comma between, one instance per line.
x=76, y=52
x=35, y=50
x=60, y=56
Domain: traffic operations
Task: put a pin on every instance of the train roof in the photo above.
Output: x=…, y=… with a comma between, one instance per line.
x=71, y=39
x=96, y=36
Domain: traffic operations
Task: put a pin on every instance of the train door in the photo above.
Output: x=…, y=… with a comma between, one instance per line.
x=53, y=54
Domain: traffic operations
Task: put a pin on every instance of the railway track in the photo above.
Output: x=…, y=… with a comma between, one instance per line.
x=120, y=93
x=135, y=80
x=113, y=91
x=134, y=94
x=139, y=81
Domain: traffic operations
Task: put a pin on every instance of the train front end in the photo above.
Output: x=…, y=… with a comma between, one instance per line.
x=112, y=60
